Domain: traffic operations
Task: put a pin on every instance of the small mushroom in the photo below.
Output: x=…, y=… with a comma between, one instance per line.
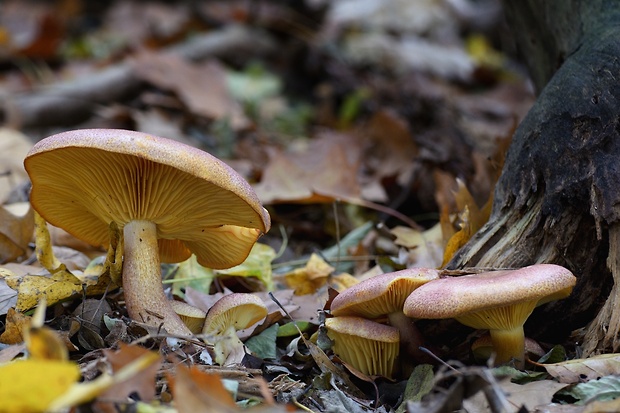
x=500, y=301
x=169, y=199
x=368, y=346
x=192, y=317
x=384, y=296
x=230, y=313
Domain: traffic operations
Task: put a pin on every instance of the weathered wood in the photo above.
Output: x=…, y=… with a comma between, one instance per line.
x=559, y=192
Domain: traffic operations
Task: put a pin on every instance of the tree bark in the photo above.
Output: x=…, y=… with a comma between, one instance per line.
x=558, y=199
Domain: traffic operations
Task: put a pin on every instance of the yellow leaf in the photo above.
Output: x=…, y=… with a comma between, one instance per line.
x=309, y=279
x=471, y=218
x=103, y=274
x=43, y=243
x=29, y=386
x=258, y=264
x=45, y=344
x=83, y=392
x=191, y=274
x=343, y=281
x=34, y=288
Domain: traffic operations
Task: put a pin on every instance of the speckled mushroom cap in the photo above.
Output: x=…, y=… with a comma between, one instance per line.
x=370, y=347
x=238, y=310
x=471, y=299
x=192, y=317
x=84, y=179
x=382, y=294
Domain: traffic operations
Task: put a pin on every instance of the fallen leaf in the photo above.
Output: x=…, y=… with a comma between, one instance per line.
x=43, y=242
x=191, y=275
x=14, y=146
x=425, y=248
x=602, y=389
x=43, y=343
x=471, y=219
x=16, y=324
x=257, y=264
x=8, y=296
x=202, y=87
x=323, y=170
x=309, y=279
x=16, y=228
x=195, y=391
x=9, y=353
x=392, y=151
x=142, y=382
x=579, y=370
x=31, y=289
x=86, y=391
x=54, y=378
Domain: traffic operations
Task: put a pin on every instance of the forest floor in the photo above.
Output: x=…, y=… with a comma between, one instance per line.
x=372, y=131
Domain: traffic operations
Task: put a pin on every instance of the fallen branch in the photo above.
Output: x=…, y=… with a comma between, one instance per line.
x=75, y=100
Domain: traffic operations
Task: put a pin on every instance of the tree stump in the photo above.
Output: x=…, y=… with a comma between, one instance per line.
x=558, y=198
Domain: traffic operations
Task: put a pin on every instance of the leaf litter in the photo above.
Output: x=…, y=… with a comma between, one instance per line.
x=369, y=161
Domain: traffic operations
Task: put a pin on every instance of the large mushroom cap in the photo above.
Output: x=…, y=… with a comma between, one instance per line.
x=500, y=301
x=456, y=297
x=382, y=294
x=84, y=179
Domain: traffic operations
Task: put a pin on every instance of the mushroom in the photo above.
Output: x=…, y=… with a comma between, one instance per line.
x=368, y=346
x=384, y=296
x=500, y=301
x=230, y=313
x=192, y=317
x=169, y=199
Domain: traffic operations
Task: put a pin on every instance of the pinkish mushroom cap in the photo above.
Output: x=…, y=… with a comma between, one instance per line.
x=382, y=294
x=500, y=301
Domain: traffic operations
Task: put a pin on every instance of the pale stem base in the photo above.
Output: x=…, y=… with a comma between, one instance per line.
x=142, y=284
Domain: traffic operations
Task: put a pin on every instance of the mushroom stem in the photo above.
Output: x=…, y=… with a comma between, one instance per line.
x=144, y=293
x=509, y=345
x=410, y=336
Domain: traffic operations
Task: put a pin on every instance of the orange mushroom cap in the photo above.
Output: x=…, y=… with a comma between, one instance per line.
x=84, y=179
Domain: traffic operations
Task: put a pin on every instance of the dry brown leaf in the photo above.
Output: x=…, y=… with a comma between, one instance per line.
x=16, y=324
x=196, y=391
x=425, y=247
x=202, y=88
x=470, y=219
x=142, y=383
x=16, y=229
x=324, y=170
x=392, y=152
x=579, y=370
x=529, y=395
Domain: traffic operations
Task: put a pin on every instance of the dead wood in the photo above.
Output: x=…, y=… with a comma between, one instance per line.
x=73, y=101
x=557, y=199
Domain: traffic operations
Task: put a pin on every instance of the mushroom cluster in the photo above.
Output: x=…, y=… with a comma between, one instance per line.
x=370, y=315
x=170, y=199
x=498, y=301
